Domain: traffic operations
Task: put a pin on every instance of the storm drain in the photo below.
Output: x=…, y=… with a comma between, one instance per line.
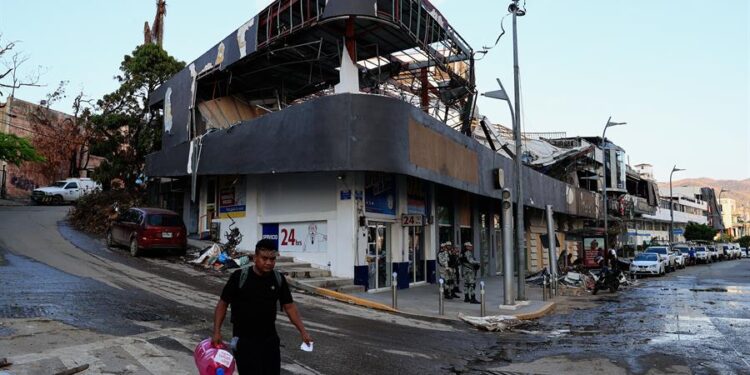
x=142, y=316
x=20, y=312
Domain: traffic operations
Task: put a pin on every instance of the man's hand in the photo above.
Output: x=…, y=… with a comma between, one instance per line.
x=216, y=339
x=306, y=338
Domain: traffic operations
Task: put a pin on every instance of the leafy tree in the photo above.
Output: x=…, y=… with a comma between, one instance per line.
x=16, y=150
x=695, y=231
x=726, y=237
x=125, y=129
x=744, y=241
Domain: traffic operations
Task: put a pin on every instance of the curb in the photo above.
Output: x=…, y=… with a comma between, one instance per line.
x=340, y=296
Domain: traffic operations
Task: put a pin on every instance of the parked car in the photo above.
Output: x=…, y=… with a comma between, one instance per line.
x=143, y=229
x=744, y=252
x=68, y=190
x=736, y=250
x=647, y=264
x=703, y=255
x=665, y=256
x=679, y=259
x=685, y=253
x=712, y=250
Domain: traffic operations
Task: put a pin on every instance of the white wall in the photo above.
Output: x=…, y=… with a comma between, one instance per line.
x=662, y=214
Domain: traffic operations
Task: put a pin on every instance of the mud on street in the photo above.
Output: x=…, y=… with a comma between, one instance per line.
x=68, y=300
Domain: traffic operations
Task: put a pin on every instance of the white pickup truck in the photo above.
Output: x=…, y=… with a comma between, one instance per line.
x=68, y=190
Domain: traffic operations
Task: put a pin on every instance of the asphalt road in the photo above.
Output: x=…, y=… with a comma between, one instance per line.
x=67, y=300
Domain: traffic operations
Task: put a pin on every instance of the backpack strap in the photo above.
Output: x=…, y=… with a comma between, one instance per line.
x=245, y=271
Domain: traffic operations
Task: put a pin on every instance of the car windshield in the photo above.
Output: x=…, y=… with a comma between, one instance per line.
x=684, y=250
x=659, y=250
x=647, y=257
x=700, y=249
x=59, y=184
x=164, y=220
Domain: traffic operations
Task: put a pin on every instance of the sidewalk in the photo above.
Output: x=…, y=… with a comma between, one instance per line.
x=422, y=300
x=11, y=202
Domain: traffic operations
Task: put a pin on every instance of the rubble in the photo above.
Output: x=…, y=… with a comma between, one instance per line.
x=94, y=212
x=495, y=323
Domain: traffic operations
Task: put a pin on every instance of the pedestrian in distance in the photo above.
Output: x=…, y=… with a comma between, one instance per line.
x=252, y=294
x=446, y=272
x=469, y=268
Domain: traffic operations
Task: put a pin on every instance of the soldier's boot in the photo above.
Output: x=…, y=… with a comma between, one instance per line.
x=447, y=295
x=474, y=299
x=454, y=294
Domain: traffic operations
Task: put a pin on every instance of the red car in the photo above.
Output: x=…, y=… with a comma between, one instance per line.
x=148, y=228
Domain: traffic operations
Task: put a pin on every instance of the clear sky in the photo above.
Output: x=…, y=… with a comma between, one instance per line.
x=678, y=71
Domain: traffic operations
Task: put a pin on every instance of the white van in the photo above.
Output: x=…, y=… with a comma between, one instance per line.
x=68, y=190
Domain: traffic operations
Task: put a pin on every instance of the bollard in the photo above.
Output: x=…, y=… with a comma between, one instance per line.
x=544, y=287
x=441, y=309
x=481, y=296
x=394, y=288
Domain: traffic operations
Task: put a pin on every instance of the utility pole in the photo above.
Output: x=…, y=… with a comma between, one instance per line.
x=520, y=230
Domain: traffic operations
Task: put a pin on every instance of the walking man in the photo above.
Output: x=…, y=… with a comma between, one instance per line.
x=469, y=267
x=253, y=293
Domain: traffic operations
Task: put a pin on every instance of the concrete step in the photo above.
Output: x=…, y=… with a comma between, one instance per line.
x=329, y=282
x=305, y=273
x=280, y=265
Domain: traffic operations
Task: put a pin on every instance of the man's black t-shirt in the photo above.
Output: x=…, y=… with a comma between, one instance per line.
x=254, y=306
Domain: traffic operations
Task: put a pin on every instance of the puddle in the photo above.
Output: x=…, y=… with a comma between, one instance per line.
x=720, y=290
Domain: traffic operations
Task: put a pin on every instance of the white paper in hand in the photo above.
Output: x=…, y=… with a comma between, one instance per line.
x=306, y=347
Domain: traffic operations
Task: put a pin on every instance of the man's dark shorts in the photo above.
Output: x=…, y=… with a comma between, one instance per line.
x=258, y=356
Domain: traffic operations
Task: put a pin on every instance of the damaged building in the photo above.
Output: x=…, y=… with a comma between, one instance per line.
x=344, y=129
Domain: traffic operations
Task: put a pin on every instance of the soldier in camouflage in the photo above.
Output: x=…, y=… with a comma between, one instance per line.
x=469, y=267
x=446, y=272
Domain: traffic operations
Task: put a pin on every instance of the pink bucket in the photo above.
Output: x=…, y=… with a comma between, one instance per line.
x=213, y=360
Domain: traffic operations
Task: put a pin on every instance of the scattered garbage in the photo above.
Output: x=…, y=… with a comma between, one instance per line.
x=495, y=323
x=224, y=256
x=578, y=280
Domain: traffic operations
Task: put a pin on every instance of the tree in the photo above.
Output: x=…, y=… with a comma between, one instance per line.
x=125, y=129
x=10, y=76
x=695, y=231
x=744, y=241
x=62, y=140
x=16, y=150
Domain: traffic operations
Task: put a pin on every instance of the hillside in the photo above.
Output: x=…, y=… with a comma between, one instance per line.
x=738, y=189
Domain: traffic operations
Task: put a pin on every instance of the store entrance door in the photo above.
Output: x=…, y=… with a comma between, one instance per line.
x=417, y=263
x=378, y=255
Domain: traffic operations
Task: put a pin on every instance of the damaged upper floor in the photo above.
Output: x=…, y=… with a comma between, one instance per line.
x=297, y=50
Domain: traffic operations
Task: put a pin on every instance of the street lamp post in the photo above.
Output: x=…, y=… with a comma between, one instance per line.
x=518, y=165
x=671, y=206
x=604, y=183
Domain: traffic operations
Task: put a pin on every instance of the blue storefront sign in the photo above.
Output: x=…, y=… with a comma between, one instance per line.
x=380, y=193
x=271, y=232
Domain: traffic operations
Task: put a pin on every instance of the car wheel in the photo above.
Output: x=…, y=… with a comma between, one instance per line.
x=57, y=200
x=134, y=247
x=110, y=240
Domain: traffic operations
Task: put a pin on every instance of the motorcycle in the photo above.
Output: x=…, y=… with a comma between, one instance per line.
x=608, y=279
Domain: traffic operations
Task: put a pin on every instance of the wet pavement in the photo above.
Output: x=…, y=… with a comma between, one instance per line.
x=68, y=300
x=692, y=321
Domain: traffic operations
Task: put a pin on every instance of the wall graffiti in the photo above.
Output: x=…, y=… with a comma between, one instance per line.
x=23, y=183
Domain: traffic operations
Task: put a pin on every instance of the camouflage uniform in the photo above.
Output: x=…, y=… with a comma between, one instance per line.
x=446, y=272
x=469, y=267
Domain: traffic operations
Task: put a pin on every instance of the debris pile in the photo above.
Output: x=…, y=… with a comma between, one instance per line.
x=94, y=212
x=575, y=281
x=224, y=256
x=495, y=323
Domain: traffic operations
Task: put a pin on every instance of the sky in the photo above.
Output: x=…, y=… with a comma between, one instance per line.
x=677, y=71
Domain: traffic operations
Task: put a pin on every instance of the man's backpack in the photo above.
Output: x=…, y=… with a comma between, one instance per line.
x=245, y=271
